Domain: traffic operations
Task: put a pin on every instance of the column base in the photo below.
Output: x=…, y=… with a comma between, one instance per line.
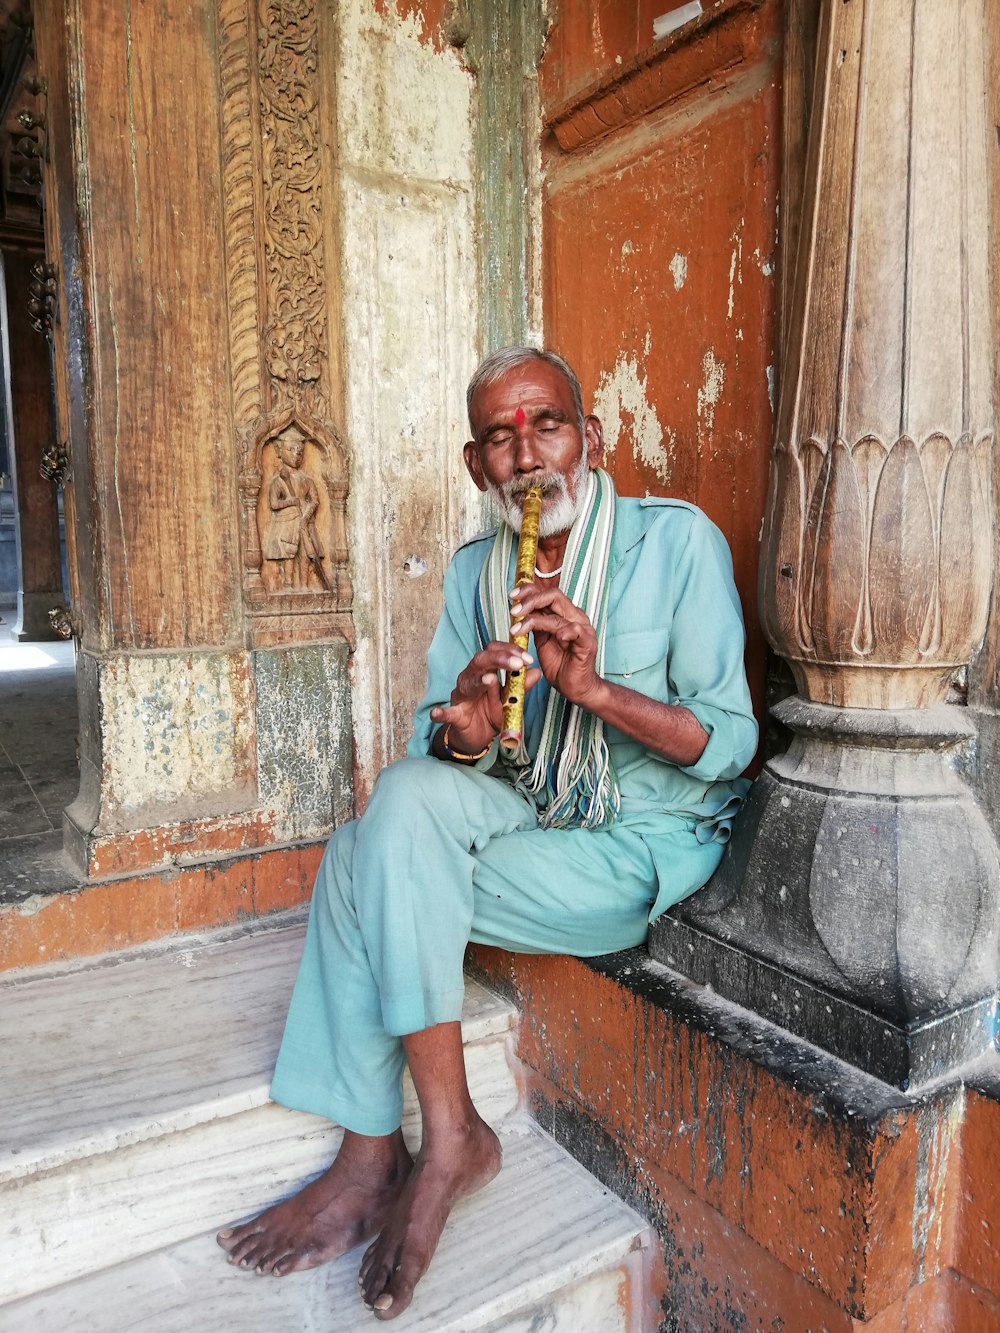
x=906, y=1057
x=33, y=623
x=857, y=904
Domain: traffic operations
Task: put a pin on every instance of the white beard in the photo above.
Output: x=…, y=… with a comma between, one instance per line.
x=556, y=517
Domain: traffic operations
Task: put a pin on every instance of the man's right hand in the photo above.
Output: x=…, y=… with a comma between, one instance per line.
x=475, y=713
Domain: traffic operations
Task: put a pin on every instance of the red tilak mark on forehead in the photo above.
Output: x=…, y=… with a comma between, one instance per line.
x=519, y=416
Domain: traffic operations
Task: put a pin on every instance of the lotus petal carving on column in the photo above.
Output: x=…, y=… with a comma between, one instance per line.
x=879, y=556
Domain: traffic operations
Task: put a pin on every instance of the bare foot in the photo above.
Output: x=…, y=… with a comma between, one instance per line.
x=449, y=1166
x=345, y=1205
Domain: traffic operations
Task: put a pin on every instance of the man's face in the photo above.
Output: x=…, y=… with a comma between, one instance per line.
x=290, y=451
x=527, y=434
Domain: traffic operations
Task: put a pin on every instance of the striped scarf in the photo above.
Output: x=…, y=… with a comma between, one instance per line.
x=572, y=778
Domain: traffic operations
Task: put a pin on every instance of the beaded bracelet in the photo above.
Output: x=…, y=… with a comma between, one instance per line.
x=457, y=754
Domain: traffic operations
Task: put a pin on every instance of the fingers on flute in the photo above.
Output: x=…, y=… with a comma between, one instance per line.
x=541, y=623
x=531, y=595
x=500, y=656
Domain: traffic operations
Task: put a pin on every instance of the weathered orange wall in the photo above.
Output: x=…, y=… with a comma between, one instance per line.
x=661, y=165
x=788, y=1192
x=133, y=909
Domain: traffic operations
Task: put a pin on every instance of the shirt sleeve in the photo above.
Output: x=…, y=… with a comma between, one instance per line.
x=454, y=644
x=705, y=671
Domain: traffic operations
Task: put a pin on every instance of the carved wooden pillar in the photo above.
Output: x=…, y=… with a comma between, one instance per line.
x=857, y=904
x=280, y=235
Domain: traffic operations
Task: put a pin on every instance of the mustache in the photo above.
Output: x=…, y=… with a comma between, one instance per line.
x=520, y=486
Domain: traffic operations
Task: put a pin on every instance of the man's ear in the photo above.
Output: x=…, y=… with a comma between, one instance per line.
x=593, y=434
x=471, y=455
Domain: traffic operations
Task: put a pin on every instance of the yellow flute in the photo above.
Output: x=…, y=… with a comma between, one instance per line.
x=524, y=572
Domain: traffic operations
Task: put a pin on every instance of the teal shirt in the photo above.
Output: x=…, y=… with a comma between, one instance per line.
x=675, y=633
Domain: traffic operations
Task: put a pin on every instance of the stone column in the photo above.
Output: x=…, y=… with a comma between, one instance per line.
x=857, y=903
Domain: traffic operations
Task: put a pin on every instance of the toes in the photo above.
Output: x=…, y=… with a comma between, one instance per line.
x=394, y=1301
x=230, y=1237
x=248, y=1253
x=242, y=1245
x=287, y=1263
x=374, y=1279
x=293, y=1261
x=374, y=1285
x=368, y=1258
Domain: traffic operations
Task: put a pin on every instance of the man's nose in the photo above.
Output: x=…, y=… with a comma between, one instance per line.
x=526, y=456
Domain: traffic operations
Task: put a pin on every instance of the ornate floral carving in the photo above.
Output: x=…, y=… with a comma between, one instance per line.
x=295, y=332
x=273, y=168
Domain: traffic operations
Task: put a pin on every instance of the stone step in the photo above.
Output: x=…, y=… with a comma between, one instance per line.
x=134, y=1102
x=543, y=1249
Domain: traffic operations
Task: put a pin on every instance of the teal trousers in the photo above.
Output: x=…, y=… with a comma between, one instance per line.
x=443, y=855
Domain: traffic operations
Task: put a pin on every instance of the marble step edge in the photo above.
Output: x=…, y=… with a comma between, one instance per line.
x=215, y=937
x=62, y=1224
x=483, y=1032
x=149, y=1084
x=544, y=1229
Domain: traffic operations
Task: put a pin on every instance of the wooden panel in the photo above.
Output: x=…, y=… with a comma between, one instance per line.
x=593, y=46
x=660, y=284
x=160, y=433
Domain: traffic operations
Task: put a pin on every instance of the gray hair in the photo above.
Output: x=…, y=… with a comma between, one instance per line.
x=501, y=362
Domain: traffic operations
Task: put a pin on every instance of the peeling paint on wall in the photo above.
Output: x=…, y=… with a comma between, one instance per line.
x=679, y=268
x=735, y=268
x=176, y=729
x=936, y=1135
x=304, y=738
x=710, y=391
x=411, y=329
x=621, y=401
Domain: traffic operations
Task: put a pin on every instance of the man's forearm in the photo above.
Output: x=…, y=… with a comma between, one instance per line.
x=670, y=729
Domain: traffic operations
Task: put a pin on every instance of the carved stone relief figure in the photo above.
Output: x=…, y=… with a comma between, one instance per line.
x=290, y=538
x=298, y=503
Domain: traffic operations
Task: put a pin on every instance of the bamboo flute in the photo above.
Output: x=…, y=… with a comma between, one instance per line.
x=524, y=572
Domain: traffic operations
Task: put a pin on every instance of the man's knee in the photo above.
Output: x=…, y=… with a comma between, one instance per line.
x=410, y=785
x=334, y=880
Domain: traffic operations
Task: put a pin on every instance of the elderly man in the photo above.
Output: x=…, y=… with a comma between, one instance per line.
x=637, y=724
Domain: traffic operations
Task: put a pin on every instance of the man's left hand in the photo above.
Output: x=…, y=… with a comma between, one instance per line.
x=565, y=640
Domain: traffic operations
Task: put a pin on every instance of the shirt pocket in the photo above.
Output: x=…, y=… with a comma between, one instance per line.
x=638, y=660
